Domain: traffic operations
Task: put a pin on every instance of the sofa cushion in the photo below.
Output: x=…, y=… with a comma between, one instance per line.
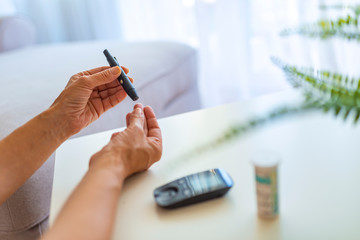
x=16, y=32
x=32, y=78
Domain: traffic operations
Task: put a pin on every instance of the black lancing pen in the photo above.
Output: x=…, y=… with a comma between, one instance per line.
x=123, y=78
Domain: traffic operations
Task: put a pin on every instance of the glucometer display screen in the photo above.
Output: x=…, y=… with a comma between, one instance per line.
x=205, y=182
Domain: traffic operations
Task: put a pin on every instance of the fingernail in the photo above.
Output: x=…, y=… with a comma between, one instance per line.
x=115, y=70
x=137, y=110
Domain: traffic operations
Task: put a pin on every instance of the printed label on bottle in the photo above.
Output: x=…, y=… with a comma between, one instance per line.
x=267, y=193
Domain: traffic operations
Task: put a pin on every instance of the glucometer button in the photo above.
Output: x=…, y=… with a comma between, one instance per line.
x=171, y=192
x=182, y=181
x=167, y=193
x=187, y=192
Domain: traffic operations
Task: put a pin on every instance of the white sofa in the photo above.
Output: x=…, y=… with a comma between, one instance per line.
x=165, y=75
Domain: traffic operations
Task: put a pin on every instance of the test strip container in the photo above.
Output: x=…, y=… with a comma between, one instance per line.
x=266, y=178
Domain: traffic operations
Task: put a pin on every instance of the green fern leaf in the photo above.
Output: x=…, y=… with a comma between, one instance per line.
x=342, y=27
x=355, y=8
x=331, y=91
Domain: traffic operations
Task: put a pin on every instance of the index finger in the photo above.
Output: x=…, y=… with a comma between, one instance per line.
x=125, y=69
x=152, y=123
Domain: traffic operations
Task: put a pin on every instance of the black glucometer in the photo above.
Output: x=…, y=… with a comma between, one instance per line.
x=123, y=78
x=193, y=188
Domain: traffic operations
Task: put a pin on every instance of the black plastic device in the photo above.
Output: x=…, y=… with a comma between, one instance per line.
x=193, y=188
x=123, y=78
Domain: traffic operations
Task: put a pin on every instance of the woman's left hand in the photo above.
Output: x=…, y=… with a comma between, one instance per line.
x=87, y=96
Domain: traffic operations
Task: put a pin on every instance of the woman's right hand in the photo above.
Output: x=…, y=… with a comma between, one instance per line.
x=133, y=150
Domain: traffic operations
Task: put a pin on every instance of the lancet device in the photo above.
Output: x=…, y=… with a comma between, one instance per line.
x=123, y=78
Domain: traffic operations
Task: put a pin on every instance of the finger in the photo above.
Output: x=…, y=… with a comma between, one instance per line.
x=102, y=77
x=115, y=82
x=86, y=73
x=108, y=98
x=108, y=91
x=137, y=117
x=94, y=70
x=138, y=105
x=125, y=69
x=112, y=100
x=128, y=119
x=114, y=135
x=112, y=84
x=152, y=123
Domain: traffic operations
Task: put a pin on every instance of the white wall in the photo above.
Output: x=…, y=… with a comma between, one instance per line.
x=6, y=8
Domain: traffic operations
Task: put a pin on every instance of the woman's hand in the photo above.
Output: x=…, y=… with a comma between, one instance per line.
x=133, y=150
x=87, y=95
x=97, y=195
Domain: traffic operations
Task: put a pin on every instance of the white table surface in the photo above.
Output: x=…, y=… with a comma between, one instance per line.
x=318, y=178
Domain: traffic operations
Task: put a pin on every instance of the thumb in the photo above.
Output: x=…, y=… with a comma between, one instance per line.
x=103, y=77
